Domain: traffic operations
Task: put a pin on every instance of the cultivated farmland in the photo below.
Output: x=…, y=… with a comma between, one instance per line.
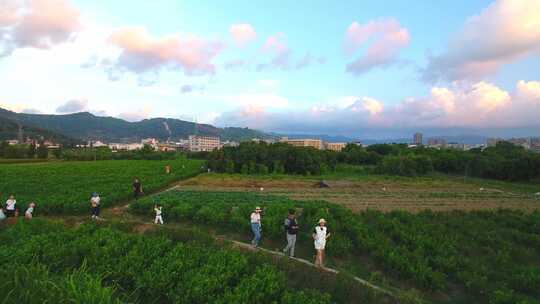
x=359, y=191
x=481, y=256
x=50, y=263
x=65, y=187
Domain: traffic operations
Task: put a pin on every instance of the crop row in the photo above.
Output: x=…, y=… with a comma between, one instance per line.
x=50, y=263
x=490, y=254
x=65, y=187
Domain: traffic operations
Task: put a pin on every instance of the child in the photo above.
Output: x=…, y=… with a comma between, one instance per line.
x=2, y=214
x=29, y=211
x=159, y=218
x=95, y=202
x=11, y=206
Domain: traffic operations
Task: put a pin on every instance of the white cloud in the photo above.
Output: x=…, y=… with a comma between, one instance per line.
x=39, y=24
x=480, y=105
x=383, y=39
x=242, y=33
x=506, y=31
x=73, y=106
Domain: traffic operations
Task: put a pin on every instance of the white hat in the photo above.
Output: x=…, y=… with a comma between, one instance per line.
x=322, y=221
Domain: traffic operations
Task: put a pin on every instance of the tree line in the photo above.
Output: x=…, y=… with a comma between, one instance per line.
x=504, y=161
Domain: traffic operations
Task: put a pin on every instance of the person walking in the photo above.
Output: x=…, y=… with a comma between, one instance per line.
x=95, y=202
x=320, y=235
x=29, y=211
x=137, y=189
x=159, y=214
x=256, y=226
x=291, y=229
x=11, y=206
x=2, y=214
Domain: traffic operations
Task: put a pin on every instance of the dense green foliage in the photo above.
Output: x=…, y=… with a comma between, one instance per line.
x=492, y=255
x=86, y=126
x=505, y=161
x=105, y=153
x=50, y=263
x=65, y=187
x=263, y=158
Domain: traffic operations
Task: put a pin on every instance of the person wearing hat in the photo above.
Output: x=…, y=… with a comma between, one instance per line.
x=320, y=235
x=291, y=228
x=95, y=202
x=256, y=226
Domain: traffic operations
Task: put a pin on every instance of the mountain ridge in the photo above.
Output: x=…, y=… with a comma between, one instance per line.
x=87, y=126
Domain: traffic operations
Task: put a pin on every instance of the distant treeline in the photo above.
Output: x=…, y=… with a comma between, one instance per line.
x=32, y=151
x=280, y=158
x=505, y=161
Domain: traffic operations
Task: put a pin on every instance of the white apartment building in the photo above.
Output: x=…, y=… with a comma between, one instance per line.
x=199, y=143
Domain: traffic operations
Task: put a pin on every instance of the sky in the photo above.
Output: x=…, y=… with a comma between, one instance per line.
x=362, y=69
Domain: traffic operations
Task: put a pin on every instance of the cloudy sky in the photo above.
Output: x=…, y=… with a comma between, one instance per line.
x=354, y=68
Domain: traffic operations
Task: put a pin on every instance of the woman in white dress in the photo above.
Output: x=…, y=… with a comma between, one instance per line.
x=320, y=235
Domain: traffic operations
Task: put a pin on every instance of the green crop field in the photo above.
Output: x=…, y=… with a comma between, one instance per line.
x=479, y=257
x=65, y=187
x=50, y=263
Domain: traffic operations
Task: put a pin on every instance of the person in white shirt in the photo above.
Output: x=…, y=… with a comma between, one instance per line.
x=10, y=206
x=159, y=217
x=320, y=235
x=29, y=211
x=95, y=202
x=256, y=226
x=2, y=214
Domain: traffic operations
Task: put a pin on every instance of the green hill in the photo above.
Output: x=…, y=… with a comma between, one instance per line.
x=11, y=129
x=86, y=126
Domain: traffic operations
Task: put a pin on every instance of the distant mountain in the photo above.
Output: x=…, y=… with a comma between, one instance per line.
x=85, y=126
x=12, y=129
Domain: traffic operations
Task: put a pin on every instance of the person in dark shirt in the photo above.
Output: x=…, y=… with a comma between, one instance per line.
x=291, y=229
x=137, y=188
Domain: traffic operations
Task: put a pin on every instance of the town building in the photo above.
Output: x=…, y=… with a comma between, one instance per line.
x=314, y=143
x=417, y=139
x=199, y=143
x=335, y=146
x=125, y=147
x=437, y=143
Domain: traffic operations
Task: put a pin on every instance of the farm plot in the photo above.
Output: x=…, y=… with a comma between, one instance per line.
x=482, y=256
x=65, y=187
x=384, y=193
x=51, y=263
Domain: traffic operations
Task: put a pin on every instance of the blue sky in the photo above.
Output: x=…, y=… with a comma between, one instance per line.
x=420, y=65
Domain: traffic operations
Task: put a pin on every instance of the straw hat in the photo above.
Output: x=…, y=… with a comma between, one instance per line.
x=257, y=208
x=322, y=221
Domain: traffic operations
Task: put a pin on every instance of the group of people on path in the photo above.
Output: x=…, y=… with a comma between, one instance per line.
x=95, y=199
x=10, y=209
x=320, y=234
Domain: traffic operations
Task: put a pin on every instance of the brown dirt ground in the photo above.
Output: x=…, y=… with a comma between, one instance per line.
x=378, y=195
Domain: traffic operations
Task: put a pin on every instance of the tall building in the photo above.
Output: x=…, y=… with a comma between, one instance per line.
x=417, y=139
x=314, y=143
x=199, y=143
